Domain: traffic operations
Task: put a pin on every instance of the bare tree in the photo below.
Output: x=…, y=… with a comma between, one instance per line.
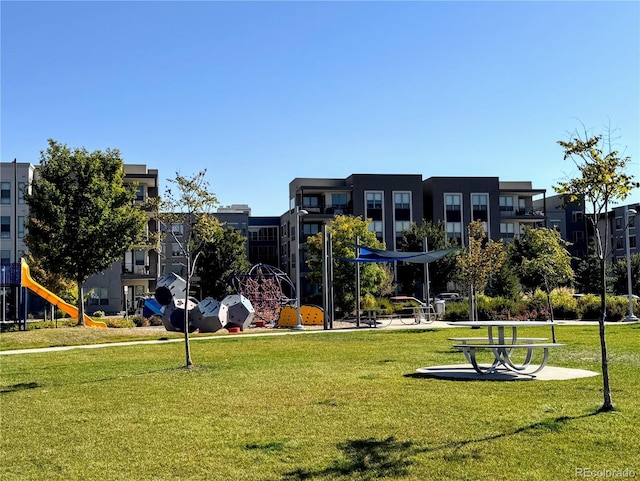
x=190, y=206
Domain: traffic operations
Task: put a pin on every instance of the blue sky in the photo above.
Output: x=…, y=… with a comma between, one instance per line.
x=262, y=92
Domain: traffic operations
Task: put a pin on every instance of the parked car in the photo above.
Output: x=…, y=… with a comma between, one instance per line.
x=449, y=297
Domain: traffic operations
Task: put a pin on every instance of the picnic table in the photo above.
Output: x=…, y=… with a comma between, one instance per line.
x=503, y=346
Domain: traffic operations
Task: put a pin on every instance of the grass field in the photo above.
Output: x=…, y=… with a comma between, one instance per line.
x=338, y=405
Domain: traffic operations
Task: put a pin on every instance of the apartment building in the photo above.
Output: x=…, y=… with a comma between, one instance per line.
x=505, y=208
x=391, y=202
x=16, y=178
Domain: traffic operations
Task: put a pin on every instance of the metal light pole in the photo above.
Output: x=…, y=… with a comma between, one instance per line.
x=629, y=213
x=299, y=213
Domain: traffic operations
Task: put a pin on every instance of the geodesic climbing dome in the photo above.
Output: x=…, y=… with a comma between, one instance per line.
x=268, y=289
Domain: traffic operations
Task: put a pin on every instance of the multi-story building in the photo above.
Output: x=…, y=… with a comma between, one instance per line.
x=391, y=202
x=505, y=208
x=622, y=229
x=16, y=178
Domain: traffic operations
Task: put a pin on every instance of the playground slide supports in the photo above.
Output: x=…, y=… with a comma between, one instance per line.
x=47, y=295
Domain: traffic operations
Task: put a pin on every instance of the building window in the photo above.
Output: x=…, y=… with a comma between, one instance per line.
x=20, y=226
x=506, y=204
x=310, y=202
x=400, y=227
x=454, y=231
x=374, y=200
x=376, y=227
x=374, y=206
x=5, y=256
x=507, y=230
x=22, y=188
x=339, y=203
x=480, y=206
x=140, y=193
x=99, y=296
x=177, y=229
x=5, y=227
x=453, y=208
x=141, y=257
x=5, y=192
x=618, y=223
x=310, y=229
x=402, y=206
x=578, y=236
x=577, y=216
x=632, y=242
x=176, y=250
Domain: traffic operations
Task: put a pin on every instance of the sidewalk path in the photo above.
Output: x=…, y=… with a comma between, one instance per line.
x=395, y=324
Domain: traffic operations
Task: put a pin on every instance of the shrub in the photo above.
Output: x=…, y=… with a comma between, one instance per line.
x=140, y=321
x=155, y=320
x=119, y=322
x=68, y=322
x=500, y=308
x=384, y=305
x=98, y=314
x=456, y=311
x=565, y=306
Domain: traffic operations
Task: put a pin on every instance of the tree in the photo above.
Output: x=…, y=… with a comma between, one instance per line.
x=542, y=259
x=600, y=182
x=479, y=261
x=588, y=278
x=374, y=278
x=505, y=281
x=440, y=271
x=620, y=282
x=222, y=258
x=82, y=217
x=190, y=205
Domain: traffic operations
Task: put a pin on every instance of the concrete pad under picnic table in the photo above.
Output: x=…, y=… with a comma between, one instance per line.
x=465, y=372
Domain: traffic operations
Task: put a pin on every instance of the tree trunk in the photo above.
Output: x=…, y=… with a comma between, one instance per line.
x=606, y=389
x=80, y=303
x=187, y=348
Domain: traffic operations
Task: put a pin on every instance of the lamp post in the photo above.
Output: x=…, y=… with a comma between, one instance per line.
x=299, y=213
x=629, y=214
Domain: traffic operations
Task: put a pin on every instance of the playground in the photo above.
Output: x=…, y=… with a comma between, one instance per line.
x=342, y=405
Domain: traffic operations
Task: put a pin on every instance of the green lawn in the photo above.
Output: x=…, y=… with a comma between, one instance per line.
x=339, y=405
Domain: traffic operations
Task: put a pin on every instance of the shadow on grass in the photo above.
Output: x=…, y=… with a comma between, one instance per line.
x=548, y=425
x=35, y=385
x=368, y=458
x=19, y=387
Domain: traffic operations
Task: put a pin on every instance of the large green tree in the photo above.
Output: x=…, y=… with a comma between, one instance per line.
x=190, y=203
x=601, y=181
x=588, y=279
x=620, y=282
x=505, y=281
x=375, y=280
x=541, y=259
x=440, y=271
x=222, y=258
x=82, y=216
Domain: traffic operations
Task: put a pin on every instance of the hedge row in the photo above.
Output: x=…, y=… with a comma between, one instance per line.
x=536, y=307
